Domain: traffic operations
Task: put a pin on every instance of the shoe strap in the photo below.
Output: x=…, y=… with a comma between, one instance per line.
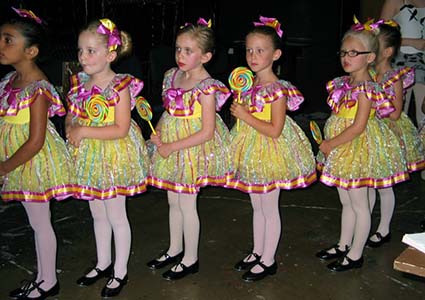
x=257, y=257
x=112, y=278
x=262, y=265
x=31, y=286
x=379, y=236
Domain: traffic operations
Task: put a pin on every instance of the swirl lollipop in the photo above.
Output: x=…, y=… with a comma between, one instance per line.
x=240, y=80
x=144, y=109
x=97, y=109
x=315, y=132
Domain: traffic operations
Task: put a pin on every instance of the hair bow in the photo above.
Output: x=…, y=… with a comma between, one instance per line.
x=391, y=23
x=110, y=29
x=203, y=22
x=27, y=14
x=272, y=22
x=369, y=25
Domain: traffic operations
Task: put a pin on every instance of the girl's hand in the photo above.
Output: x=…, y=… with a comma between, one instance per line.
x=239, y=111
x=156, y=138
x=325, y=147
x=165, y=150
x=75, y=135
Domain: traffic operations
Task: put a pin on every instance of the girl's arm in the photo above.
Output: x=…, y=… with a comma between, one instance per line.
x=415, y=43
x=271, y=129
x=205, y=134
x=117, y=130
x=352, y=131
x=398, y=101
x=36, y=138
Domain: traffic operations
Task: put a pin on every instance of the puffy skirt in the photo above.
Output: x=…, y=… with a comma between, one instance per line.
x=49, y=174
x=189, y=169
x=106, y=169
x=263, y=163
x=373, y=159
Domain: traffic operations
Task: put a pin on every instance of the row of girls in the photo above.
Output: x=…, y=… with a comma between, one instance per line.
x=104, y=160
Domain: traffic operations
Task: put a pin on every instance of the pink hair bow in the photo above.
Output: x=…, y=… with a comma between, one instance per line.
x=272, y=22
x=110, y=29
x=203, y=22
x=27, y=14
x=369, y=25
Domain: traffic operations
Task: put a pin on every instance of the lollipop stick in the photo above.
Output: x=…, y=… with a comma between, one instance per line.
x=237, y=120
x=153, y=130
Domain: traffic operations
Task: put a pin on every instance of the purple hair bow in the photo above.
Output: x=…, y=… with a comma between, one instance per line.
x=110, y=29
x=27, y=14
x=271, y=22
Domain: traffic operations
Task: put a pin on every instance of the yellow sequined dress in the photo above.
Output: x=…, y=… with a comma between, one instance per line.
x=107, y=168
x=372, y=159
x=404, y=128
x=263, y=163
x=48, y=174
x=189, y=169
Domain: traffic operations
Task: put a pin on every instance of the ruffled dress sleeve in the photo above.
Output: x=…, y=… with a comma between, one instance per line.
x=10, y=106
x=342, y=94
x=406, y=74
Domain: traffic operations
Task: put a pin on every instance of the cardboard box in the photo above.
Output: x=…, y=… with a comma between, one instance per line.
x=411, y=261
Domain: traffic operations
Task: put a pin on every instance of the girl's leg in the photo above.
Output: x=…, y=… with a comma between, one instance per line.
x=258, y=226
x=273, y=227
x=117, y=216
x=46, y=246
x=360, y=205
x=372, y=198
x=387, y=203
x=191, y=228
x=176, y=225
x=103, y=235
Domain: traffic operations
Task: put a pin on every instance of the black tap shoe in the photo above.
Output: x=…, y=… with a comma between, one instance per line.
x=337, y=266
x=325, y=255
x=54, y=290
x=156, y=264
x=267, y=270
x=111, y=292
x=86, y=281
x=20, y=291
x=172, y=275
x=381, y=240
x=244, y=265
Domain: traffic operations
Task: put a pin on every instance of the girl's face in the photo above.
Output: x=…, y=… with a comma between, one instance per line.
x=260, y=53
x=12, y=45
x=359, y=60
x=188, y=53
x=93, y=54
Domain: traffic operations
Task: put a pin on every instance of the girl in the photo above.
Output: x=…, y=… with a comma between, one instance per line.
x=394, y=82
x=192, y=144
x=270, y=151
x=357, y=155
x=33, y=157
x=110, y=155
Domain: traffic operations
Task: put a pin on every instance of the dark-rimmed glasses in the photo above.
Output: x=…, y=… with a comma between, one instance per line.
x=352, y=53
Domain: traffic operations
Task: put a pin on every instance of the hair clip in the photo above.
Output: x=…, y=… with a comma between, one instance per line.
x=271, y=22
x=27, y=14
x=110, y=29
x=369, y=25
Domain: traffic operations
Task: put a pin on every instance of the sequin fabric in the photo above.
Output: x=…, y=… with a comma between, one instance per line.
x=263, y=163
x=48, y=174
x=189, y=169
x=108, y=168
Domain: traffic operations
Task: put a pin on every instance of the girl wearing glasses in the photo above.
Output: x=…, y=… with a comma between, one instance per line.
x=354, y=155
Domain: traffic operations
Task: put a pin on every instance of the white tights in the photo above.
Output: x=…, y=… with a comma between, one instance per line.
x=184, y=225
x=418, y=91
x=45, y=244
x=110, y=217
x=355, y=220
x=387, y=204
x=266, y=226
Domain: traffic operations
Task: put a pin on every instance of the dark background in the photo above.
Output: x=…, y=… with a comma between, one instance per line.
x=312, y=33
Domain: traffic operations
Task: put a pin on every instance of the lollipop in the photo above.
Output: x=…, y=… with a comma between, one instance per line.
x=97, y=109
x=315, y=132
x=145, y=111
x=240, y=80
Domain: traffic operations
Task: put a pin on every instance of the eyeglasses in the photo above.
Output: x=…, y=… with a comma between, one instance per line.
x=352, y=53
